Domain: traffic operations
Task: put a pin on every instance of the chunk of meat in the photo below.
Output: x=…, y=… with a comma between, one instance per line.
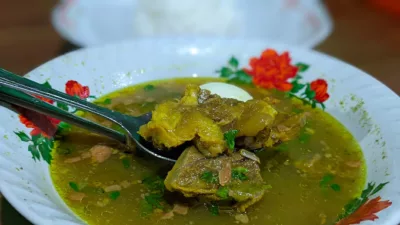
x=174, y=123
x=76, y=196
x=289, y=126
x=317, y=166
x=354, y=164
x=191, y=95
x=86, y=155
x=167, y=216
x=202, y=118
x=222, y=111
x=257, y=115
x=125, y=184
x=180, y=209
x=111, y=188
x=163, y=126
x=186, y=174
x=285, y=128
x=271, y=100
x=100, y=153
x=242, y=218
x=73, y=159
x=314, y=159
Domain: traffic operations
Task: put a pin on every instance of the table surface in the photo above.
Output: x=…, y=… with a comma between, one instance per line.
x=363, y=36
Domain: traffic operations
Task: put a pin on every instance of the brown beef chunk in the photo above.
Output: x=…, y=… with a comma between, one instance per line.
x=203, y=118
x=186, y=177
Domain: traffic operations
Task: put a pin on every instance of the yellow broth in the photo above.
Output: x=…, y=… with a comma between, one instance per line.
x=312, y=177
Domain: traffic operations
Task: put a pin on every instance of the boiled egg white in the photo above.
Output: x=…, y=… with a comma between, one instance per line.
x=227, y=91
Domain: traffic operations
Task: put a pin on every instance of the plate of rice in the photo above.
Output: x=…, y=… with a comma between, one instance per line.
x=304, y=23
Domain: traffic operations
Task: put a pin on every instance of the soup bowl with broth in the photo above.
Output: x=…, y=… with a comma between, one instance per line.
x=300, y=138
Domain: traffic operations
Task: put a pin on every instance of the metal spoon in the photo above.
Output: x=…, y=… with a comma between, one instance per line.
x=13, y=89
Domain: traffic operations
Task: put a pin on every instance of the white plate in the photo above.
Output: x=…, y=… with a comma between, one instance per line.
x=303, y=23
x=374, y=122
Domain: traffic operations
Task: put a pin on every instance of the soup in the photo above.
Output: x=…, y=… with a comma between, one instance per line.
x=302, y=171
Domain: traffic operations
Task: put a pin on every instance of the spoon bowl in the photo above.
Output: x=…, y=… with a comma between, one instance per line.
x=13, y=89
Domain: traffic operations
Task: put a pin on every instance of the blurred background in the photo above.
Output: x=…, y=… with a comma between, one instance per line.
x=365, y=33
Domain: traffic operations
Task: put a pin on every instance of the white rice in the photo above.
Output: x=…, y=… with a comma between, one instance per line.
x=186, y=17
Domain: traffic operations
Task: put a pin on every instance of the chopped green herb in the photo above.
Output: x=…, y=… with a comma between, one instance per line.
x=145, y=208
x=154, y=184
x=154, y=199
x=209, y=177
x=23, y=136
x=74, y=186
x=151, y=202
x=213, y=209
x=326, y=180
x=149, y=87
x=126, y=162
x=354, y=204
x=302, y=67
x=229, y=137
x=114, y=195
x=335, y=187
x=241, y=169
x=223, y=192
x=239, y=173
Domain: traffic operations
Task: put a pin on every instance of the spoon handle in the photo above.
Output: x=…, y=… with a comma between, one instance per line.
x=23, y=100
x=14, y=81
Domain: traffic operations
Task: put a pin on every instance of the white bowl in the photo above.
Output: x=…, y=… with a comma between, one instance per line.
x=303, y=23
x=375, y=123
